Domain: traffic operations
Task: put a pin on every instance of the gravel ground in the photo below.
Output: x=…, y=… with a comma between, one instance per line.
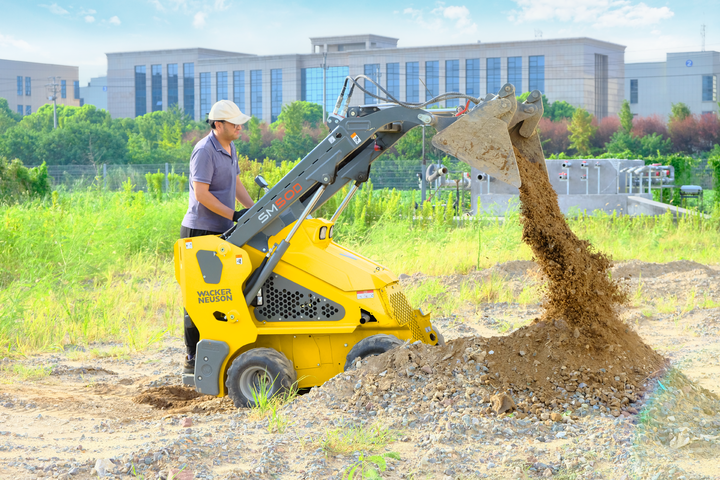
x=80, y=421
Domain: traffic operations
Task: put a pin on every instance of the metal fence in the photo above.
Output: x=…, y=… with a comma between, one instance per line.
x=385, y=173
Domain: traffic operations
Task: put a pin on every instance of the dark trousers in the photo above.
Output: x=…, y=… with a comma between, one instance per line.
x=192, y=335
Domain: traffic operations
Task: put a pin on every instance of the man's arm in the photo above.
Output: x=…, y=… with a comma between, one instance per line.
x=210, y=201
x=242, y=194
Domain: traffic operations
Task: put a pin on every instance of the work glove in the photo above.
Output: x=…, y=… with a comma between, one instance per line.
x=238, y=214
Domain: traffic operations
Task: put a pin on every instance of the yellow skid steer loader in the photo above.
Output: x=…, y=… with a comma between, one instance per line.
x=276, y=300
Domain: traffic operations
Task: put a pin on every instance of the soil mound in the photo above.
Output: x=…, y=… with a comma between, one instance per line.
x=179, y=399
x=638, y=269
x=515, y=268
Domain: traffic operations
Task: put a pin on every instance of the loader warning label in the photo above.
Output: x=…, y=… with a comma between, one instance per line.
x=212, y=296
x=355, y=138
x=188, y=244
x=238, y=259
x=361, y=294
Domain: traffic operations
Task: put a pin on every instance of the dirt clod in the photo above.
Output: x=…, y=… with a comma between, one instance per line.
x=502, y=403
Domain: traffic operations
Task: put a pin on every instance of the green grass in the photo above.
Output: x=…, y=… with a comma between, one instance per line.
x=95, y=266
x=21, y=372
x=356, y=438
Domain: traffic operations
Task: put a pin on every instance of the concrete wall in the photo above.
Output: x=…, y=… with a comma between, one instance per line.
x=498, y=204
x=39, y=74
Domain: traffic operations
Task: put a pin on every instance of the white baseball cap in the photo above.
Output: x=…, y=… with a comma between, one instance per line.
x=228, y=111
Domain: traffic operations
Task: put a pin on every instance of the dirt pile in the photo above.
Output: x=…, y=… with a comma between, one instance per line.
x=177, y=399
x=578, y=352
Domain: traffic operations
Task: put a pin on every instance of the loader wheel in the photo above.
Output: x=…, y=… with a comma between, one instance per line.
x=264, y=371
x=370, y=346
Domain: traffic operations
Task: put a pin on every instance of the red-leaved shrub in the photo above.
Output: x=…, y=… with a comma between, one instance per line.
x=554, y=135
x=695, y=133
x=643, y=126
x=605, y=129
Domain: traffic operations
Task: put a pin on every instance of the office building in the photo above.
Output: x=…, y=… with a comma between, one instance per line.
x=690, y=78
x=582, y=71
x=95, y=93
x=25, y=85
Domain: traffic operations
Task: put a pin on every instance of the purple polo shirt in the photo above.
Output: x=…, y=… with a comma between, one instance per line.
x=210, y=163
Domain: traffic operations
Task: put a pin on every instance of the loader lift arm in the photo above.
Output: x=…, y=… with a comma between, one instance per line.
x=359, y=135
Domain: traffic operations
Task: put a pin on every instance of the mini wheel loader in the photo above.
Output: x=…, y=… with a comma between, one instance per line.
x=276, y=300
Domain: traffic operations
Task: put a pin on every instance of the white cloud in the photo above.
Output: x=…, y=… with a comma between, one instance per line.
x=159, y=6
x=7, y=41
x=220, y=5
x=601, y=13
x=114, y=20
x=461, y=15
x=89, y=18
x=199, y=19
x=55, y=8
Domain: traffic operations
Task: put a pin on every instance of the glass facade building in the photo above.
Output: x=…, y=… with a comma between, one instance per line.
x=536, y=73
x=372, y=71
x=452, y=81
x=172, y=84
x=311, y=86
x=28, y=86
x=472, y=77
x=412, y=82
x=393, y=79
x=432, y=81
x=514, y=73
x=239, y=89
x=256, y=93
x=140, y=90
x=156, y=88
x=20, y=86
x=205, y=101
x=492, y=75
x=709, y=88
x=76, y=89
x=221, y=86
x=189, y=89
x=275, y=93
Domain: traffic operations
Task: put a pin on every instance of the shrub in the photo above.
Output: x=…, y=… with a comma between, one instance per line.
x=18, y=182
x=648, y=125
x=694, y=133
x=606, y=128
x=554, y=135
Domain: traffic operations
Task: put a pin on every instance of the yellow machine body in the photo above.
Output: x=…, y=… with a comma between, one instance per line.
x=370, y=295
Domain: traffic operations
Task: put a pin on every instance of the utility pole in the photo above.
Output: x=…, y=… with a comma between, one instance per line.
x=53, y=90
x=324, y=99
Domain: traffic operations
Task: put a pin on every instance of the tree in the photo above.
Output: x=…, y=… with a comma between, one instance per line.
x=680, y=111
x=581, y=131
x=8, y=118
x=626, y=117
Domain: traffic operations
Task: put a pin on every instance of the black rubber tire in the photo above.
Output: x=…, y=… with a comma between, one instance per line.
x=374, y=345
x=247, y=369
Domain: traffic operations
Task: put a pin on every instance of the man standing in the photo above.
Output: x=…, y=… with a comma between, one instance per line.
x=214, y=186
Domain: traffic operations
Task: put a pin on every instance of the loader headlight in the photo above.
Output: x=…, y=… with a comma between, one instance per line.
x=332, y=229
x=323, y=233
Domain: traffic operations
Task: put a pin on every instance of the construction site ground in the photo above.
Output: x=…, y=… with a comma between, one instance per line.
x=127, y=416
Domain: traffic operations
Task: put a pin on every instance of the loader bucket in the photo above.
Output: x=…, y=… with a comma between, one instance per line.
x=484, y=137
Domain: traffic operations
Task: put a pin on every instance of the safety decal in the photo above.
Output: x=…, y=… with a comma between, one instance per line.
x=355, y=138
x=238, y=259
x=361, y=294
x=188, y=244
x=331, y=140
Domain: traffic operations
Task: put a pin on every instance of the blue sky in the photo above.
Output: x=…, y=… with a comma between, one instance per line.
x=78, y=32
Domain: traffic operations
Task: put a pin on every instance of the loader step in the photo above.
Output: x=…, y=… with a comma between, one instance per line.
x=188, y=379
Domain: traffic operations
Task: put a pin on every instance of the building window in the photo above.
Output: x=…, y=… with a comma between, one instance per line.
x=493, y=75
x=172, y=84
x=472, y=77
x=19, y=86
x=709, y=88
x=204, y=94
x=432, y=81
x=536, y=74
x=393, y=79
x=76, y=90
x=372, y=71
x=140, y=91
x=311, y=85
x=28, y=86
x=221, y=88
x=63, y=89
x=452, y=81
x=239, y=89
x=256, y=93
x=601, y=86
x=633, y=91
x=20, y=109
x=189, y=89
x=275, y=93
x=156, y=87
x=412, y=82
x=28, y=111
x=514, y=73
